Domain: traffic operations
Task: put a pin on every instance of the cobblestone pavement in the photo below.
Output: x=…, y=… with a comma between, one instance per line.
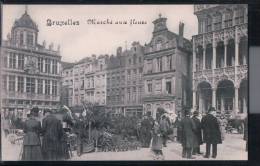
x=233, y=148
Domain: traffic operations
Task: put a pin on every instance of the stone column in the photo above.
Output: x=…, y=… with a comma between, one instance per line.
x=8, y=57
x=214, y=97
x=36, y=85
x=163, y=86
x=225, y=53
x=194, y=99
x=7, y=83
x=51, y=67
x=43, y=63
x=204, y=57
x=236, y=100
x=43, y=86
x=244, y=105
x=236, y=49
x=16, y=62
x=222, y=104
x=200, y=103
x=16, y=83
x=153, y=111
x=214, y=55
x=24, y=84
x=194, y=56
x=24, y=38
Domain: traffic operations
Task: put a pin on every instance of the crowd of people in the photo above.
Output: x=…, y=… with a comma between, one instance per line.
x=192, y=132
x=46, y=138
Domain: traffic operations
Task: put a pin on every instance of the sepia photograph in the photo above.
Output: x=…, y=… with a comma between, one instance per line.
x=124, y=82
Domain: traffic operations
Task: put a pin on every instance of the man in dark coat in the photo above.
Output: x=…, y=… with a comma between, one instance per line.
x=145, y=132
x=165, y=126
x=187, y=127
x=198, y=134
x=177, y=125
x=52, y=133
x=211, y=132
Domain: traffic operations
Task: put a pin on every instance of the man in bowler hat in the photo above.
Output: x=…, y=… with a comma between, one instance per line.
x=198, y=133
x=187, y=136
x=211, y=132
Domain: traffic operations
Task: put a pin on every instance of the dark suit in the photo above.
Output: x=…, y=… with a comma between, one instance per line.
x=52, y=133
x=198, y=135
x=211, y=133
x=31, y=141
x=187, y=139
x=246, y=132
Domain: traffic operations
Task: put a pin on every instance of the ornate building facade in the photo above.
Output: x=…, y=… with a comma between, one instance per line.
x=88, y=80
x=30, y=72
x=134, y=79
x=116, y=83
x=67, y=84
x=220, y=64
x=167, y=70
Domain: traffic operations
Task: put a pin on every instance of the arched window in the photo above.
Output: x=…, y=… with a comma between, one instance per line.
x=228, y=18
x=217, y=21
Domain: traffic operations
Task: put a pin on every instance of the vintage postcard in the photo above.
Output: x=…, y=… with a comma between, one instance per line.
x=124, y=82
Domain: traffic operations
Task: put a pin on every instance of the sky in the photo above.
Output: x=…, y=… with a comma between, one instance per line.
x=83, y=40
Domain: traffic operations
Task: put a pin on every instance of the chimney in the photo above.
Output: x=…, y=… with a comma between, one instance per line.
x=181, y=29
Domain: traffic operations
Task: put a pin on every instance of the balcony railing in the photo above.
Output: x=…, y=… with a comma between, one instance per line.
x=202, y=7
x=29, y=96
x=219, y=35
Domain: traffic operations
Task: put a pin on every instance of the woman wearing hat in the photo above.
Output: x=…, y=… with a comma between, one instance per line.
x=31, y=141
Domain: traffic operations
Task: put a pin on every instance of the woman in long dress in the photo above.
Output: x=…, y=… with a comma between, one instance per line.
x=31, y=142
x=157, y=141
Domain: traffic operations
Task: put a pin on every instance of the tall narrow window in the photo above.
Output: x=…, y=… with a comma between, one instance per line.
x=209, y=24
x=159, y=64
x=239, y=18
x=54, y=87
x=169, y=87
x=11, y=83
x=30, y=85
x=128, y=94
x=134, y=94
x=29, y=38
x=40, y=86
x=149, y=86
x=228, y=18
x=169, y=62
x=54, y=67
x=20, y=84
x=149, y=66
x=47, y=65
x=40, y=64
x=5, y=61
x=21, y=39
x=47, y=87
x=5, y=82
x=12, y=60
x=20, y=61
x=158, y=86
x=218, y=21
